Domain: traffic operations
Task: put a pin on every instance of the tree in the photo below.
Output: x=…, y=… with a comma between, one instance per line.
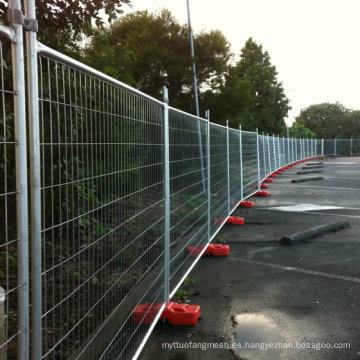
x=231, y=101
x=301, y=131
x=149, y=51
x=326, y=120
x=62, y=22
x=271, y=104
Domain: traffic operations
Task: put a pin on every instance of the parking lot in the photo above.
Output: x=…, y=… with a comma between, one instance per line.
x=304, y=298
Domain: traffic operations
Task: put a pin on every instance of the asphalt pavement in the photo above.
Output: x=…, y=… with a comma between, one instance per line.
x=273, y=301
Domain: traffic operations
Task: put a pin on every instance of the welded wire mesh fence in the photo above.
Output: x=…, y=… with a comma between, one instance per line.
x=9, y=285
x=132, y=192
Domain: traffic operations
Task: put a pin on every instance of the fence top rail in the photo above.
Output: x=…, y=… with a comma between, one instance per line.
x=249, y=132
x=187, y=114
x=56, y=55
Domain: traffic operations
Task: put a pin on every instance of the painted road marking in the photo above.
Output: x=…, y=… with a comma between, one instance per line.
x=320, y=187
x=305, y=207
x=299, y=270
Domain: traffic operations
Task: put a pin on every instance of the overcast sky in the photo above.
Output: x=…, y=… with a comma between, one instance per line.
x=314, y=44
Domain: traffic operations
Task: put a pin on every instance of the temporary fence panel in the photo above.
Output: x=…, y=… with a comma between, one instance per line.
x=102, y=185
x=14, y=259
x=188, y=188
x=250, y=162
x=218, y=177
x=234, y=168
x=132, y=191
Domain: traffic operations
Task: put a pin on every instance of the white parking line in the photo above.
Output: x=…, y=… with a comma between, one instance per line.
x=303, y=271
x=321, y=187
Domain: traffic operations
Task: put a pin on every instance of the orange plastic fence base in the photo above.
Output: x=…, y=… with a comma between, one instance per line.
x=211, y=249
x=247, y=204
x=234, y=220
x=262, y=193
x=174, y=313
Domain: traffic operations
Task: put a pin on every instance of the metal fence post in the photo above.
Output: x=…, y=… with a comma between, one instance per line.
x=335, y=146
x=351, y=146
x=207, y=117
x=228, y=164
x=17, y=50
x=283, y=151
x=278, y=141
x=264, y=156
x=322, y=147
x=167, y=197
x=269, y=157
x=288, y=151
x=273, y=137
x=241, y=165
x=258, y=156
x=35, y=183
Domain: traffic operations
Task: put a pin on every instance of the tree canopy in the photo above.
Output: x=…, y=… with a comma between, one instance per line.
x=62, y=22
x=271, y=103
x=301, y=131
x=326, y=120
x=149, y=51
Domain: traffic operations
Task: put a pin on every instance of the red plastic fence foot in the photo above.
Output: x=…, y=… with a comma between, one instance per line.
x=145, y=313
x=175, y=313
x=247, y=204
x=262, y=193
x=213, y=249
x=181, y=314
x=194, y=251
x=234, y=220
x=218, y=250
x=268, y=180
x=273, y=175
x=264, y=186
x=278, y=172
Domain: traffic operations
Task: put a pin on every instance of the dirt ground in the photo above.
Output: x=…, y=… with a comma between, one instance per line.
x=303, y=299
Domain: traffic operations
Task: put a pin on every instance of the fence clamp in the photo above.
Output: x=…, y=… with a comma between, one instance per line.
x=17, y=17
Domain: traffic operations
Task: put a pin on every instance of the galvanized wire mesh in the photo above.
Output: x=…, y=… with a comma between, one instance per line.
x=250, y=162
x=263, y=158
x=188, y=188
x=102, y=212
x=218, y=176
x=103, y=171
x=329, y=146
x=234, y=168
x=9, y=286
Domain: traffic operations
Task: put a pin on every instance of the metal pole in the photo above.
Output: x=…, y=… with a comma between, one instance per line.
x=351, y=146
x=278, y=142
x=192, y=53
x=335, y=146
x=322, y=147
x=35, y=183
x=241, y=165
x=263, y=141
x=288, y=146
x=167, y=197
x=207, y=116
x=228, y=164
x=269, y=157
x=258, y=156
x=273, y=137
x=17, y=51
